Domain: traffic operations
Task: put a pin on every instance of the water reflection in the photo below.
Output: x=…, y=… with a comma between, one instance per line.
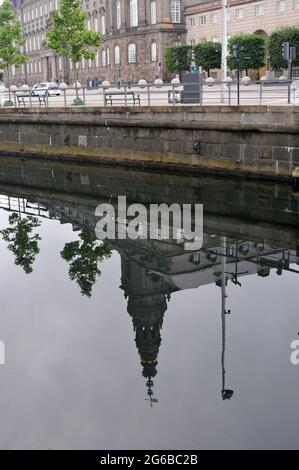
x=151, y=270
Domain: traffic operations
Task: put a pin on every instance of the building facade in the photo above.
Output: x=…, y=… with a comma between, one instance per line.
x=262, y=17
x=135, y=34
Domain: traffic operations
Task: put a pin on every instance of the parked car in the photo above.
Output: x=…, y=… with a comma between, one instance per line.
x=46, y=89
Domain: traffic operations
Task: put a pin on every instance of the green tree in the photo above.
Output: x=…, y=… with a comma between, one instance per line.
x=208, y=55
x=276, y=40
x=253, y=51
x=21, y=242
x=178, y=59
x=69, y=36
x=11, y=40
x=84, y=257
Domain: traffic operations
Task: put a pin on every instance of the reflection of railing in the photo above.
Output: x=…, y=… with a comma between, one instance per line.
x=23, y=206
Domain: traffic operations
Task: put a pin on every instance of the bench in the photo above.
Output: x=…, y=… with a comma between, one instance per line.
x=129, y=96
x=21, y=97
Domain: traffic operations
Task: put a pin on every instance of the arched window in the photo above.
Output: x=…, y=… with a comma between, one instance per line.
x=133, y=13
x=117, y=55
x=132, y=58
x=104, y=62
x=175, y=11
x=154, y=52
x=153, y=12
x=118, y=14
x=103, y=25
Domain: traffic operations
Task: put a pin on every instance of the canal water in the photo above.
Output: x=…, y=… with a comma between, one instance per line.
x=142, y=344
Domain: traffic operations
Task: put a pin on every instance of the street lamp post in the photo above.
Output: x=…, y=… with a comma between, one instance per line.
x=224, y=49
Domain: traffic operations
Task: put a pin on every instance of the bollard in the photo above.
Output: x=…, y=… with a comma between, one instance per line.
x=64, y=96
x=83, y=91
x=261, y=93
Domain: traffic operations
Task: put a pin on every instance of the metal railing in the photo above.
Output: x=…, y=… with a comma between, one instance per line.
x=277, y=92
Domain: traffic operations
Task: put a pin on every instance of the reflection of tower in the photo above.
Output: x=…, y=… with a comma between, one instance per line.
x=147, y=294
x=147, y=314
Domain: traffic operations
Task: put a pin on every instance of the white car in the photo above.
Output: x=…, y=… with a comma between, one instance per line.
x=46, y=89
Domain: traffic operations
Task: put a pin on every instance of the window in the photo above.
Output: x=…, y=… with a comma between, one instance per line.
x=46, y=8
x=103, y=25
x=214, y=18
x=97, y=59
x=89, y=63
x=117, y=55
x=175, y=11
x=41, y=11
x=51, y=5
x=36, y=12
x=133, y=13
x=104, y=62
x=280, y=6
x=95, y=24
x=259, y=10
x=154, y=52
x=108, y=56
x=214, y=38
x=202, y=20
x=239, y=13
x=153, y=12
x=83, y=63
x=192, y=21
x=88, y=24
x=60, y=63
x=118, y=14
x=132, y=53
x=40, y=66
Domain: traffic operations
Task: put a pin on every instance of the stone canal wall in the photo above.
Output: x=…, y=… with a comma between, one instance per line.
x=252, y=140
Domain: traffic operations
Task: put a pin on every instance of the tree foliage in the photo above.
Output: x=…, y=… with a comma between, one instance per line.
x=253, y=51
x=69, y=36
x=84, y=257
x=178, y=59
x=276, y=40
x=208, y=55
x=21, y=242
x=11, y=39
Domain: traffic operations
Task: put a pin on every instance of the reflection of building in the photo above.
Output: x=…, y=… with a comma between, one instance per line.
x=153, y=270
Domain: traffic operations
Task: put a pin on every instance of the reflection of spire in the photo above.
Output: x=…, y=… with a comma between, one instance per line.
x=226, y=393
x=147, y=315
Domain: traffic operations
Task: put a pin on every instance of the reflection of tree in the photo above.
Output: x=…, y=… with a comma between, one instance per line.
x=20, y=240
x=83, y=257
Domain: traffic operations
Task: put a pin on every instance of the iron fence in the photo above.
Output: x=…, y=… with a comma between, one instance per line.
x=277, y=92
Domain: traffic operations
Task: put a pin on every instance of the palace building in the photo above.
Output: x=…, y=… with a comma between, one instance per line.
x=135, y=35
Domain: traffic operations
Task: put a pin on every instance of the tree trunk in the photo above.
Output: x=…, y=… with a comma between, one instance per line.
x=76, y=81
x=8, y=83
